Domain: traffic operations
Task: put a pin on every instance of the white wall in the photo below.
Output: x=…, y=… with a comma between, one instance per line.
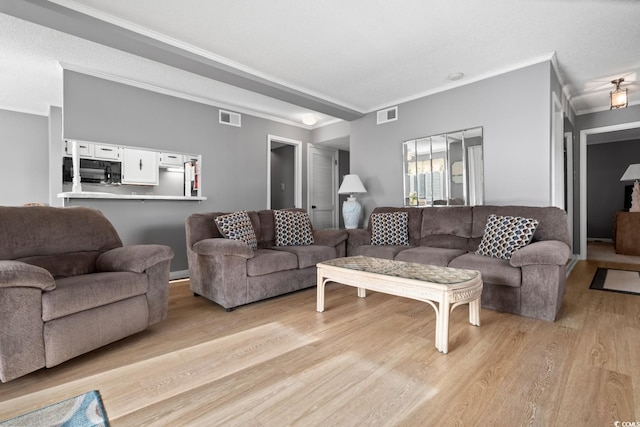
x=514, y=111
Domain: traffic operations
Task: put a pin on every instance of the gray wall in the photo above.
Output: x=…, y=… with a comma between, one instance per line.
x=514, y=111
x=283, y=173
x=234, y=160
x=606, y=163
x=55, y=155
x=24, y=151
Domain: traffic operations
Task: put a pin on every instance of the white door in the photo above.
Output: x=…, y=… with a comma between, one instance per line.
x=323, y=190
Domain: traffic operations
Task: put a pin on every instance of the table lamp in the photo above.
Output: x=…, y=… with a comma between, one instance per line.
x=633, y=174
x=351, y=208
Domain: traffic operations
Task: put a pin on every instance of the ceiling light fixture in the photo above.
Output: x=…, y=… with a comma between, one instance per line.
x=455, y=76
x=309, y=119
x=618, y=96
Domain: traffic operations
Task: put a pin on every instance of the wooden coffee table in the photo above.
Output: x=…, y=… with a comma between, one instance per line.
x=443, y=288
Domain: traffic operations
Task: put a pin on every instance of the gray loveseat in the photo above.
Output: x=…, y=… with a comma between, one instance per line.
x=531, y=283
x=69, y=286
x=231, y=274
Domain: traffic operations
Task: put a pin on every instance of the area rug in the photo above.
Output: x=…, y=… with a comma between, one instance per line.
x=85, y=410
x=624, y=281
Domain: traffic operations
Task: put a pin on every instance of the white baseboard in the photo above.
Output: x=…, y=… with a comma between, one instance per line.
x=182, y=274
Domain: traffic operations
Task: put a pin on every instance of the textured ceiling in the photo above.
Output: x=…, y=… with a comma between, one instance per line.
x=359, y=55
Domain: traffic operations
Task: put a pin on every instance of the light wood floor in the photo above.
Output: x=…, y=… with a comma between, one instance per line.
x=362, y=362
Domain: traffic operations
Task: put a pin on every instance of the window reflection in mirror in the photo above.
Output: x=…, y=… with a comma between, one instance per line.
x=444, y=170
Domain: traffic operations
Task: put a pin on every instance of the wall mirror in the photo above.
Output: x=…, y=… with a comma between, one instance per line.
x=445, y=169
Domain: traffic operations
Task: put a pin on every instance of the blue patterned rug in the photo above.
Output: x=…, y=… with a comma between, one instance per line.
x=85, y=410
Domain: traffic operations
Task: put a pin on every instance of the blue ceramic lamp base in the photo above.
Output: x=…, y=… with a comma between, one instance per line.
x=351, y=210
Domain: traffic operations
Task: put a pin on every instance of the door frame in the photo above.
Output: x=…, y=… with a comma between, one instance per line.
x=558, y=173
x=584, y=133
x=297, y=146
x=336, y=182
x=569, y=172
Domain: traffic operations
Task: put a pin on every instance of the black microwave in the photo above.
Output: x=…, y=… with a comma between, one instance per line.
x=93, y=171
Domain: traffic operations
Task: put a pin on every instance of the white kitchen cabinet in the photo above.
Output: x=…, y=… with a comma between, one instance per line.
x=85, y=149
x=139, y=167
x=171, y=160
x=107, y=152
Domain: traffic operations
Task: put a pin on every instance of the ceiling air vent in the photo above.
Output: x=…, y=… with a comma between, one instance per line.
x=388, y=115
x=229, y=118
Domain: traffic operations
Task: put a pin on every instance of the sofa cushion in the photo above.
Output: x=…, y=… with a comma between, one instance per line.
x=495, y=271
x=309, y=255
x=66, y=264
x=429, y=255
x=378, y=251
x=390, y=228
x=268, y=261
x=237, y=226
x=503, y=235
x=79, y=293
x=293, y=228
x=45, y=230
x=446, y=227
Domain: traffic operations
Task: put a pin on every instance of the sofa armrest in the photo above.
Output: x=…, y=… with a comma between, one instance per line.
x=329, y=237
x=217, y=246
x=136, y=258
x=359, y=237
x=18, y=274
x=546, y=252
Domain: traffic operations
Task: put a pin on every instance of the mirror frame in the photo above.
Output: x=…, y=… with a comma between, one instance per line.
x=458, y=174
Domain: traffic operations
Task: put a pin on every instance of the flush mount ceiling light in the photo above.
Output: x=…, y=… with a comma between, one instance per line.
x=455, y=76
x=309, y=119
x=618, y=96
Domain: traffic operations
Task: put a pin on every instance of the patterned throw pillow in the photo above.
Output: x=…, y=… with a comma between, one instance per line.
x=503, y=235
x=237, y=226
x=293, y=228
x=390, y=228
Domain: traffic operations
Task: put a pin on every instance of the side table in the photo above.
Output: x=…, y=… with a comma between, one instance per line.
x=626, y=233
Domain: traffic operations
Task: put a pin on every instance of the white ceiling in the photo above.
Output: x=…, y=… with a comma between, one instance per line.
x=356, y=56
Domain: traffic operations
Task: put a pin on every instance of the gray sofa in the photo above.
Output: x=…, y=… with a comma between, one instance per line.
x=69, y=286
x=231, y=274
x=531, y=283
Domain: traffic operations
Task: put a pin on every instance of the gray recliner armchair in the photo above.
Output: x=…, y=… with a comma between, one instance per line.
x=69, y=286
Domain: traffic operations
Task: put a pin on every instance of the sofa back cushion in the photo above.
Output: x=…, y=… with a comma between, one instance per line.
x=40, y=231
x=414, y=221
x=66, y=265
x=446, y=227
x=552, y=222
x=201, y=226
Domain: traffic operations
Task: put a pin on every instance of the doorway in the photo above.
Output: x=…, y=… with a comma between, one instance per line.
x=284, y=172
x=282, y=176
x=583, y=176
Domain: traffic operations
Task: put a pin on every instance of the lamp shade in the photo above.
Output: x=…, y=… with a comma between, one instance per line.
x=352, y=184
x=632, y=173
